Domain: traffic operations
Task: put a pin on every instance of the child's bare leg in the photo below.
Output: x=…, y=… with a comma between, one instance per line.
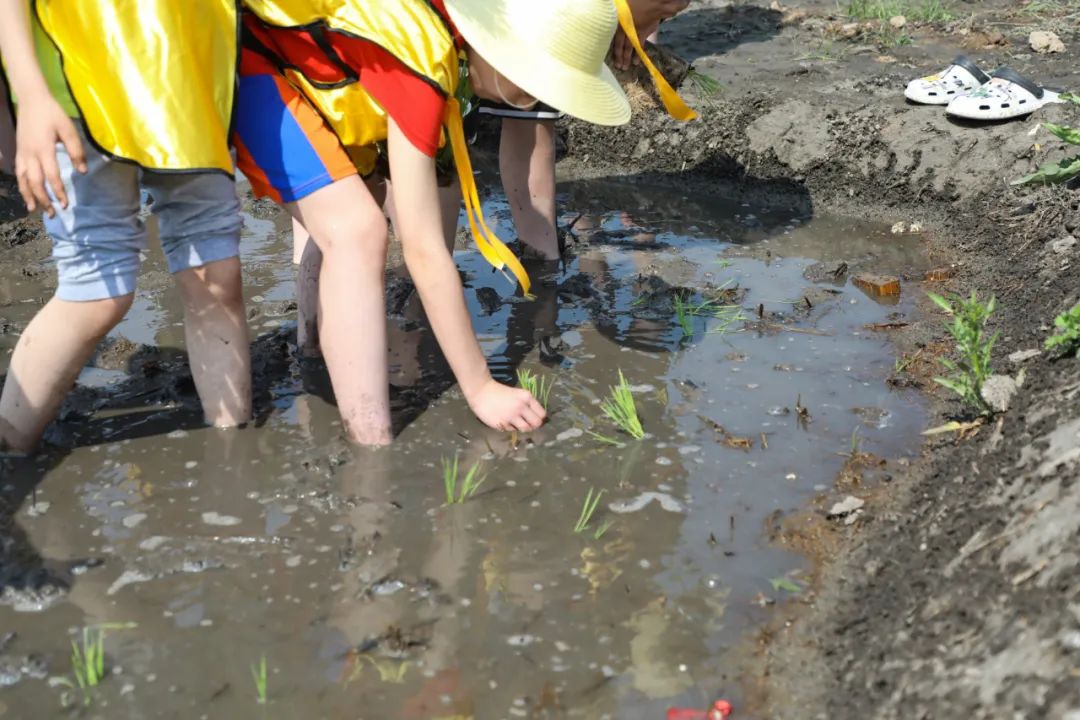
x=46, y=362
x=527, y=166
x=307, y=291
x=199, y=218
x=351, y=232
x=215, y=327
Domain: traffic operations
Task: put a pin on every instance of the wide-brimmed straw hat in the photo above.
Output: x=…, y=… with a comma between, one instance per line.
x=552, y=49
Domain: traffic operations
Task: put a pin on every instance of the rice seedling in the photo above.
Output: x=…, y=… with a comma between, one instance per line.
x=458, y=489
x=539, y=385
x=88, y=661
x=683, y=316
x=620, y=408
x=258, y=674
x=588, y=509
x=726, y=316
x=602, y=530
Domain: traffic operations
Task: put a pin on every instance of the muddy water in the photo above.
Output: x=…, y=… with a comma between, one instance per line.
x=371, y=599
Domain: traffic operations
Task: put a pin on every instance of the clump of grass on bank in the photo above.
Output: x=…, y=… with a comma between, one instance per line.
x=934, y=11
x=620, y=408
x=1065, y=169
x=459, y=490
x=1066, y=340
x=973, y=345
x=539, y=385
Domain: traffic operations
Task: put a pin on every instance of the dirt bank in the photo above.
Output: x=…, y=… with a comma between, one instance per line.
x=958, y=594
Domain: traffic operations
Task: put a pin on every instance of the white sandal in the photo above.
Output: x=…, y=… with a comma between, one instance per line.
x=1007, y=95
x=955, y=81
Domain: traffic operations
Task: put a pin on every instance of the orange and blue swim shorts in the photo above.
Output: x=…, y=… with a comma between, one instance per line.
x=284, y=147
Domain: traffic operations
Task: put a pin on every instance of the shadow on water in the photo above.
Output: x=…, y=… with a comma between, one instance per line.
x=715, y=31
x=363, y=589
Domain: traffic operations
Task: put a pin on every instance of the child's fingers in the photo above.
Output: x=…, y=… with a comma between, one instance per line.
x=35, y=178
x=52, y=176
x=534, y=412
x=621, y=54
x=74, y=146
x=24, y=187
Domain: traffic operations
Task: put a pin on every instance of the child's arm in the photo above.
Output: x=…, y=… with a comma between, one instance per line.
x=42, y=122
x=417, y=201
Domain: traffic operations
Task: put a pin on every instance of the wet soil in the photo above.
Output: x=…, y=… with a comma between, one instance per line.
x=953, y=592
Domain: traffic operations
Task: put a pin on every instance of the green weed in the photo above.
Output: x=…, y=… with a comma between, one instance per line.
x=452, y=481
x=588, y=509
x=973, y=345
x=538, y=385
x=602, y=530
x=787, y=584
x=258, y=674
x=1065, y=169
x=620, y=408
x=1067, y=338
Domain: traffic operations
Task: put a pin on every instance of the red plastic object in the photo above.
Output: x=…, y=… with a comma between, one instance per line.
x=721, y=710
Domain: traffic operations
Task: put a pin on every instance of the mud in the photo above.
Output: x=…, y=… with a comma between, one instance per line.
x=955, y=593
x=952, y=591
x=346, y=570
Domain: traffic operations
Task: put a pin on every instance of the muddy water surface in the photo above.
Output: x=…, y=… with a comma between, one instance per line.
x=368, y=597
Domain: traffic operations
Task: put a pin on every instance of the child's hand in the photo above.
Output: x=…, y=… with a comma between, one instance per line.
x=506, y=408
x=43, y=123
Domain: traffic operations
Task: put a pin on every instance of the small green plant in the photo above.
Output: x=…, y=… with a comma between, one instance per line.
x=621, y=409
x=684, y=316
x=588, y=509
x=88, y=661
x=786, y=584
x=1067, y=338
x=258, y=674
x=538, y=385
x=602, y=530
x=706, y=87
x=459, y=490
x=726, y=316
x=973, y=344
x=1064, y=170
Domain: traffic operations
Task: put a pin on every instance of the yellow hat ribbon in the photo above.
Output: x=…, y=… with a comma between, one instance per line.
x=672, y=102
x=491, y=247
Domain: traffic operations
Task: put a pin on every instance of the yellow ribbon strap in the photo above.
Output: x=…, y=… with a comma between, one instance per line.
x=491, y=247
x=672, y=102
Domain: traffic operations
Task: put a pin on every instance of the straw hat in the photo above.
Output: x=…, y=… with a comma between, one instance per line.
x=552, y=49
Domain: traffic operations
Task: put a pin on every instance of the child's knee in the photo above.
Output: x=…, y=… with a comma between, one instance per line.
x=363, y=234
x=106, y=314
x=216, y=284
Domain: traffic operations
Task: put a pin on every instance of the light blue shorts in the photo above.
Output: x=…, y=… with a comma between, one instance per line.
x=98, y=239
